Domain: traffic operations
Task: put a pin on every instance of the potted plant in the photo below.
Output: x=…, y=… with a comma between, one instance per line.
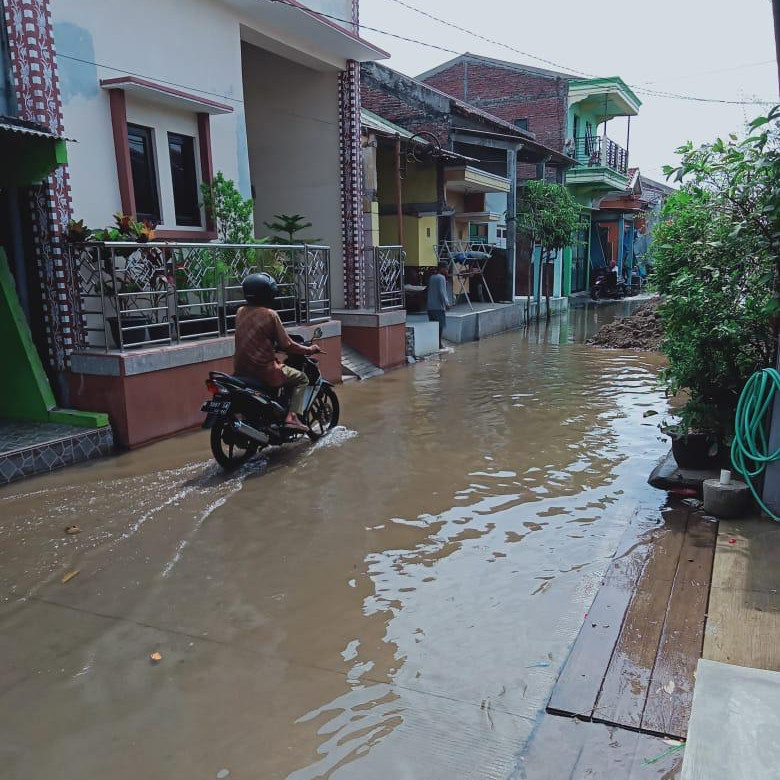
x=714, y=255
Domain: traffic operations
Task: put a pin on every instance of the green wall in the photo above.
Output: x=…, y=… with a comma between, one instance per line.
x=25, y=392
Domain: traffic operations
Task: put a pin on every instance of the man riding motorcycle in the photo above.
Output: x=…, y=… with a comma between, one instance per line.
x=259, y=334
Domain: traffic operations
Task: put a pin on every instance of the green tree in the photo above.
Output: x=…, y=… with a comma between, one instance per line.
x=715, y=258
x=290, y=224
x=551, y=217
x=231, y=212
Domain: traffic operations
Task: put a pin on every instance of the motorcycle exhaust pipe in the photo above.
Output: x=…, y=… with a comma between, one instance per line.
x=251, y=433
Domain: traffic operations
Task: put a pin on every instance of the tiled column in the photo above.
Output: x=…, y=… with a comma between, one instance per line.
x=351, y=185
x=34, y=74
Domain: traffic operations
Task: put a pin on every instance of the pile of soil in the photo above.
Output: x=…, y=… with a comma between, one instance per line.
x=640, y=330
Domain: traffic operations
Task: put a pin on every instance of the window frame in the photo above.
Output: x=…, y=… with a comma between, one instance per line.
x=195, y=219
x=152, y=171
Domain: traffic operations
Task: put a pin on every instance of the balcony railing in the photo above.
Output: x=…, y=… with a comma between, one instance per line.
x=385, y=277
x=601, y=152
x=151, y=294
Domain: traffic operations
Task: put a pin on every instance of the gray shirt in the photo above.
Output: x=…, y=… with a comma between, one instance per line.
x=437, y=293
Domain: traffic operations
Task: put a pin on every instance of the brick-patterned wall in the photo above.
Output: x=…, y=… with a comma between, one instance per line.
x=403, y=112
x=36, y=83
x=511, y=95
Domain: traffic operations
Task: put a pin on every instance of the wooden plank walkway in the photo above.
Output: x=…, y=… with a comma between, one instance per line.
x=744, y=610
x=634, y=661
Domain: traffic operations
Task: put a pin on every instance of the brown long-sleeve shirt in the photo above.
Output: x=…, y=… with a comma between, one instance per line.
x=259, y=333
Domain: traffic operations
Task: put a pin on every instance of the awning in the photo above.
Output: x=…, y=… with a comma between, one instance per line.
x=290, y=29
x=465, y=178
x=161, y=93
x=531, y=151
x=604, y=98
x=384, y=127
x=29, y=152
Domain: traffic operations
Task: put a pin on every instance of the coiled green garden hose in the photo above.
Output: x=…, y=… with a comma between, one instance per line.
x=750, y=449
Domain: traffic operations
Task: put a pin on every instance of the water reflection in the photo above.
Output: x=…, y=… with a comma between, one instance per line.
x=545, y=454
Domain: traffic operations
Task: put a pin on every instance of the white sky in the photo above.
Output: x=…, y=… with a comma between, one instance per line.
x=707, y=48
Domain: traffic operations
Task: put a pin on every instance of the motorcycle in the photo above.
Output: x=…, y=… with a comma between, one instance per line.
x=605, y=286
x=246, y=417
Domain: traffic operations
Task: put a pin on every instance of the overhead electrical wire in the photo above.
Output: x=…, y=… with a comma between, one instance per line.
x=427, y=44
x=638, y=88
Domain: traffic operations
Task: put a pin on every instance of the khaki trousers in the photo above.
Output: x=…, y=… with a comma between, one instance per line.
x=298, y=382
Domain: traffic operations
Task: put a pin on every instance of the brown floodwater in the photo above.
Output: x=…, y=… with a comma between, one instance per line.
x=394, y=602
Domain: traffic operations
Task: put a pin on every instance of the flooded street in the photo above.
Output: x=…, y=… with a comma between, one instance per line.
x=394, y=602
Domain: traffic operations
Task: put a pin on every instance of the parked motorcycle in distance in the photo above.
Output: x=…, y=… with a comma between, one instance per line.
x=245, y=417
x=605, y=286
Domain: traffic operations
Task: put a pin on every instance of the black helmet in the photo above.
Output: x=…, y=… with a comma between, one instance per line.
x=259, y=289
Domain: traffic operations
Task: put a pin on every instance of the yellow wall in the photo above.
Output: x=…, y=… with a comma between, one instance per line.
x=418, y=184
x=419, y=238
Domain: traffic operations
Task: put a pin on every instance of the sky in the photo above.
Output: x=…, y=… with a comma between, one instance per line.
x=705, y=48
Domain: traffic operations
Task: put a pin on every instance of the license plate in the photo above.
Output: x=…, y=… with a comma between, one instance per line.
x=219, y=408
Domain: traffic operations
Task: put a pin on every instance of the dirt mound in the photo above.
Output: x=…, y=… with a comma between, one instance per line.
x=640, y=330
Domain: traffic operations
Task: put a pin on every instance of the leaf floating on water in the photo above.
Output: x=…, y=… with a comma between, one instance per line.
x=155, y=657
x=669, y=687
x=650, y=413
x=72, y=529
x=69, y=576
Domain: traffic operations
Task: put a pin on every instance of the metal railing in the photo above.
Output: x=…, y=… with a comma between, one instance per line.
x=449, y=250
x=385, y=277
x=597, y=151
x=146, y=294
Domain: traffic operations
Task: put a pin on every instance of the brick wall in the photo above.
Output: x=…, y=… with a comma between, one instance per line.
x=511, y=95
x=403, y=111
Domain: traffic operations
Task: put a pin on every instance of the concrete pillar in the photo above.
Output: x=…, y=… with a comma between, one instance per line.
x=511, y=223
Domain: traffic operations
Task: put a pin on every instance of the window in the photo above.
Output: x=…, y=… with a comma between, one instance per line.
x=185, y=179
x=147, y=200
x=521, y=123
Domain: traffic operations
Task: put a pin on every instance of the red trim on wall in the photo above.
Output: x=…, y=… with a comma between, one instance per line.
x=206, y=162
x=122, y=150
x=119, y=82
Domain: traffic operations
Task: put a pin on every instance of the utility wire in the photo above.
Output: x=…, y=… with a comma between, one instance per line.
x=156, y=79
x=654, y=93
x=490, y=40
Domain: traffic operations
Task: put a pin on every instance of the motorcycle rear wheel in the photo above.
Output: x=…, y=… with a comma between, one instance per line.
x=324, y=413
x=227, y=451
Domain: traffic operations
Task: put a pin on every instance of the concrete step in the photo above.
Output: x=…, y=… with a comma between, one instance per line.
x=352, y=362
x=734, y=724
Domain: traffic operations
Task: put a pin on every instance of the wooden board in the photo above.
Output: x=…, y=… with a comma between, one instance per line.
x=670, y=693
x=579, y=683
x=624, y=690
x=744, y=611
x=634, y=661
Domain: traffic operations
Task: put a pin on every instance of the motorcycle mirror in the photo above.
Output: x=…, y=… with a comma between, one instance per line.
x=318, y=333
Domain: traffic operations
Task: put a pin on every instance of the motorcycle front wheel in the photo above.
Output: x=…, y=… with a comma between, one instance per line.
x=227, y=450
x=324, y=413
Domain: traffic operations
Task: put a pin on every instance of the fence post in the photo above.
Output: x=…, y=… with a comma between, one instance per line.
x=377, y=281
x=306, y=282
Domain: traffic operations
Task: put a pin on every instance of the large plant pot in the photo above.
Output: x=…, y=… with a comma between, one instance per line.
x=697, y=451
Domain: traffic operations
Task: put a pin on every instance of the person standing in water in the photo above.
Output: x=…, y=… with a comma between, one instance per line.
x=438, y=300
